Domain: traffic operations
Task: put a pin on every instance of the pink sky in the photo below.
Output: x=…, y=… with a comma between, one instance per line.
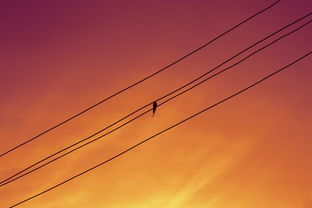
x=59, y=57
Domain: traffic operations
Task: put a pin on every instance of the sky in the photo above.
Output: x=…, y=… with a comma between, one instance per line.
x=59, y=57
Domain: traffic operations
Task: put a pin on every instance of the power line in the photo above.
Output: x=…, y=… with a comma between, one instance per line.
x=163, y=131
x=87, y=138
x=198, y=78
x=138, y=82
x=7, y=181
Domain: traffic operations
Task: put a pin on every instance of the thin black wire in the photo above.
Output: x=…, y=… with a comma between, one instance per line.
x=220, y=72
x=138, y=82
x=118, y=121
x=163, y=131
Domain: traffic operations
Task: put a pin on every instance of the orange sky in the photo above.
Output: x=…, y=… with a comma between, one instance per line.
x=59, y=57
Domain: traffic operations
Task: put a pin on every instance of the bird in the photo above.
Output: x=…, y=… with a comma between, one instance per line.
x=154, y=107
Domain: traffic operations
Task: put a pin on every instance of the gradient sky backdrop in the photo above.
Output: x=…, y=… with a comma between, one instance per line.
x=58, y=57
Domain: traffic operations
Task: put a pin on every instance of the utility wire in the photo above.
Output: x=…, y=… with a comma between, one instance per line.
x=138, y=82
x=163, y=131
x=7, y=181
x=125, y=117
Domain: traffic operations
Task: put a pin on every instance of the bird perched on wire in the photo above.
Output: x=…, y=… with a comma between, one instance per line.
x=154, y=107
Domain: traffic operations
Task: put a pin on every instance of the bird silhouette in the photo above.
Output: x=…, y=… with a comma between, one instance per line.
x=154, y=107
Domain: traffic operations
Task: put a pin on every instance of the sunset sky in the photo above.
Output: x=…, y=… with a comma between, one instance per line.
x=59, y=57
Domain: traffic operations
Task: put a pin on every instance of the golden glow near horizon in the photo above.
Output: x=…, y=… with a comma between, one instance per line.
x=59, y=57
